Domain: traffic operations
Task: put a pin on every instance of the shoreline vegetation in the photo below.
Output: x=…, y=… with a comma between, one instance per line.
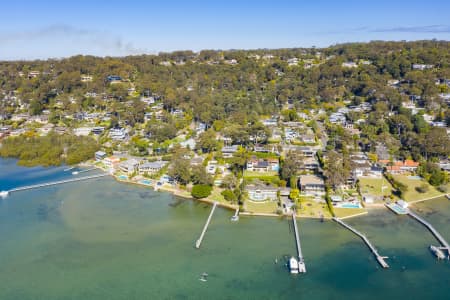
x=342, y=213
x=350, y=213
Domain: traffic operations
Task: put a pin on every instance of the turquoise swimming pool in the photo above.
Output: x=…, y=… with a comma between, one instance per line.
x=349, y=205
x=145, y=181
x=122, y=177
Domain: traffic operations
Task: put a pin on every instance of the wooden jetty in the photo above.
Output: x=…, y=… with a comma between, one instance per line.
x=445, y=246
x=200, y=239
x=380, y=259
x=35, y=186
x=301, y=261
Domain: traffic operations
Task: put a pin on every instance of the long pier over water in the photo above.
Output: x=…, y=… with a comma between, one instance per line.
x=445, y=245
x=200, y=239
x=35, y=186
x=301, y=261
x=379, y=258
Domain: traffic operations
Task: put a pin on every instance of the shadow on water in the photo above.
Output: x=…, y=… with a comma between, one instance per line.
x=176, y=202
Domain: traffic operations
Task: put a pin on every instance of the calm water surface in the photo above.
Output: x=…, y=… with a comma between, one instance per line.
x=100, y=239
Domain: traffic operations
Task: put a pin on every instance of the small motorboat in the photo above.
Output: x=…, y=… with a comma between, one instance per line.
x=293, y=265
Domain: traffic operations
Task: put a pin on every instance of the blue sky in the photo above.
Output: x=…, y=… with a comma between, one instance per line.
x=42, y=29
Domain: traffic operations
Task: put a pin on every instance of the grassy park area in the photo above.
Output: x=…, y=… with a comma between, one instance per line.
x=372, y=186
x=266, y=207
x=412, y=183
x=311, y=208
x=347, y=212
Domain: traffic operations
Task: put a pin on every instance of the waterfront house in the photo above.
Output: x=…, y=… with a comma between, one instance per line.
x=375, y=171
x=151, y=167
x=261, y=192
x=100, y=155
x=130, y=166
x=400, y=167
x=312, y=185
x=111, y=162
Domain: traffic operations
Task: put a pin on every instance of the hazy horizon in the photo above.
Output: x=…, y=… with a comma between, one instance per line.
x=48, y=29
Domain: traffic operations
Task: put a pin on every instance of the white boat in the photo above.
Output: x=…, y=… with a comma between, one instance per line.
x=4, y=194
x=235, y=218
x=75, y=173
x=203, y=279
x=293, y=265
x=438, y=252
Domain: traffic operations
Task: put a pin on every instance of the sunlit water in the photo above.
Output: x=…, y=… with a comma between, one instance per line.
x=101, y=239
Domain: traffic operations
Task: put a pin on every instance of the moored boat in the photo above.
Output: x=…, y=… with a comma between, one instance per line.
x=438, y=252
x=293, y=265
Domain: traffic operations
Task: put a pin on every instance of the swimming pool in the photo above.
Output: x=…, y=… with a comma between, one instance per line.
x=122, y=177
x=145, y=181
x=415, y=177
x=349, y=205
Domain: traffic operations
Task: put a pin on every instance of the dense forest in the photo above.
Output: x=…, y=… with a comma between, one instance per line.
x=50, y=150
x=231, y=90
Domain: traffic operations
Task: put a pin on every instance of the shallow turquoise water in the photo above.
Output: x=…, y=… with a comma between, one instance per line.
x=101, y=239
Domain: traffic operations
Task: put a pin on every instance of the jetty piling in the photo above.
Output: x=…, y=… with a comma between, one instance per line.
x=380, y=259
x=202, y=235
x=301, y=261
x=445, y=246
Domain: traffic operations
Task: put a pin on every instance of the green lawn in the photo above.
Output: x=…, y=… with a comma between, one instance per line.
x=268, y=207
x=346, y=212
x=253, y=174
x=311, y=208
x=372, y=186
x=217, y=196
x=412, y=194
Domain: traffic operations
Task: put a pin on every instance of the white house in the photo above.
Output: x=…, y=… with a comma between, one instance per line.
x=130, y=166
x=312, y=185
x=151, y=167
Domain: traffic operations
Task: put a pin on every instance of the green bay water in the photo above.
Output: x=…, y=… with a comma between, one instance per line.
x=101, y=239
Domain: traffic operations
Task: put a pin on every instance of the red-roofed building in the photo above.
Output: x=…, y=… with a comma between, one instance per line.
x=400, y=167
